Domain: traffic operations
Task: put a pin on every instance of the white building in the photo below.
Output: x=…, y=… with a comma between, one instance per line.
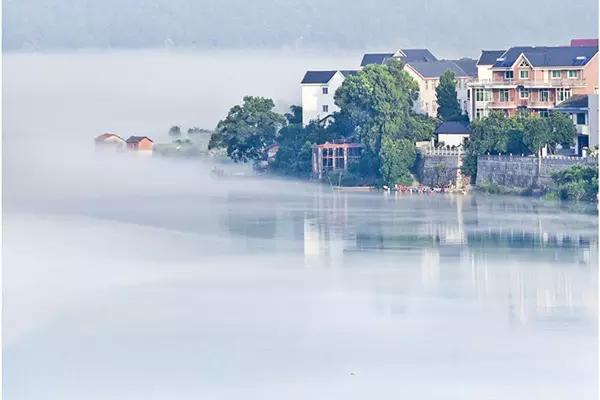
x=427, y=74
x=583, y=110
x=318, y=90
x=452, y=133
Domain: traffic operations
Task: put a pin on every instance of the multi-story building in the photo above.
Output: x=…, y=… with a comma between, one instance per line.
x=318, y=90
x=532, y=78
x=583, y=111
x=426, y=69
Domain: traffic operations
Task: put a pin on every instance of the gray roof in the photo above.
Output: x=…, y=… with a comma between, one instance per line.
x=137, y=139
x=578, y=101
x=435, y=69
x=488, y=57
x=318, y=76
x=375, y=58
x=348, y=72
x=412, y=55
x=453, y=127
x=559, y=56
x=468, y=65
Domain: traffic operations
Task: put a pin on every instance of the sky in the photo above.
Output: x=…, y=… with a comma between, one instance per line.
x=452, y=28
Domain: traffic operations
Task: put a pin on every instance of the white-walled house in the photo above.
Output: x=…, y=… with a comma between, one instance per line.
x=427, y=74
x=452, y=133
x=318, y=90
x=583, y=111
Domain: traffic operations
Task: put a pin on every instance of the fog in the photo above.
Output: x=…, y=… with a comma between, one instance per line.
x=131, y=277
x=448, y=28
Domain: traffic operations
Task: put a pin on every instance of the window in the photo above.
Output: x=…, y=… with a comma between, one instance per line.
x=580, y=118
x=325, y=90
x=479, y=94
x=544, y=113
x=426, y=84
x=469, y=94
x=509, y=74
x=524, y=93
x=479, y=113
x=524, y=74
x=544, y=95
x=572, y=74
x=487, y=95
x=555, y=74
x=562, y=94
x=325, y=108
x=504, y=95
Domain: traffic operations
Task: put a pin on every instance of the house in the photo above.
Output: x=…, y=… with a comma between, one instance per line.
x=584, y=42
x=583, y=110
x=452, y=133
x=406, y=55
x=109, y=142
x=318, y=90
x=427, y=74
x=272, y=152
x=141, y=144
x=532, y=78
x=328, y=157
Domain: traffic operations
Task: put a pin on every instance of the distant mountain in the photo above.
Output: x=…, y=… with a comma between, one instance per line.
x=455, y=27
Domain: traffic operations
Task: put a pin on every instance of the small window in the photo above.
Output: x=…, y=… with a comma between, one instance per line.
x=544, y=113
x=555, y=74
x=524, y=74
x=325, y=90
x=572, y=74
x=544, y=95
x=479, y=113
x=580, y=118
x=504, y=95
x=426, y=84
x=524, y=93
x=509, y=74
x=325, y=108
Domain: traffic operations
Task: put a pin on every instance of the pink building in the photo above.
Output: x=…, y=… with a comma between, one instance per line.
x=533, y=78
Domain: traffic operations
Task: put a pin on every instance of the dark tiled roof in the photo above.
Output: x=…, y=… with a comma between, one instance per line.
x=349, y=72
x=559, y=56
x=488, y=57
x=434, y=69
x=375, y=58
x=468, y=65
x=137, y=139
x=413, y=55
x=576, y=101
x=453, y=127
x=318, y=76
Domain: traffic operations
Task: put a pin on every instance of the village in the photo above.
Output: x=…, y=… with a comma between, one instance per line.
x=512, y=84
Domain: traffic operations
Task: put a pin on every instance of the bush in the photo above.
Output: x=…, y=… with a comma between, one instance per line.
x=579, y=182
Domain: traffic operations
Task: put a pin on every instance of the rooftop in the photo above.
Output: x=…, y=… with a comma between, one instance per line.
x=411, y=55
x=575, y=101
x=559, y=56
x=488, y=57
x=137, y=139
x=453, y=127
x=105, y=136
x=435, y=69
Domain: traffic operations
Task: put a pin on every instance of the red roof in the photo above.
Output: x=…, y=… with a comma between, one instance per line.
x=105, y=136
x=328, y=145
x=584, y=42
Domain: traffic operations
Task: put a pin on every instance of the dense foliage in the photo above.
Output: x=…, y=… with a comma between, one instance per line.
x=248, y=129
x=578, y=182
x=524, y=133
x=447, y=99
x=397, y=156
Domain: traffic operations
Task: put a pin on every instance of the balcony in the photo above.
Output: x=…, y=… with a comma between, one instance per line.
x=528, y=83
x=540, y=104
x=502, y=104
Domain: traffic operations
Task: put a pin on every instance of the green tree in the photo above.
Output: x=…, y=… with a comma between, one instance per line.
x=447, y=100
x=175, y=131
x=561, y=129
x=397, y=157
x=248, y=129
x=294, y=116
x=535, y=134
x=579, y=182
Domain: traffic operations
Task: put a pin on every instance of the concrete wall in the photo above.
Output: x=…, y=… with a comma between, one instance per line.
x=313, y=98
x=521, y=172
x=593, y=119
x=438, y=168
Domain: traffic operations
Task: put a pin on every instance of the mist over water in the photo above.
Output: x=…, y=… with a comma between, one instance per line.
x=144, y=278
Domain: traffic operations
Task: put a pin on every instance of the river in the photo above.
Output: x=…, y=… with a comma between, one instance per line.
x=141, y=278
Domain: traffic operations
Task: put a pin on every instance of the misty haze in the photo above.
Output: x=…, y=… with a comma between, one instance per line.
x=147, y=277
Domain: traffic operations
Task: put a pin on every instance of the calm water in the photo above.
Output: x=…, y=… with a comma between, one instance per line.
x=132, y=278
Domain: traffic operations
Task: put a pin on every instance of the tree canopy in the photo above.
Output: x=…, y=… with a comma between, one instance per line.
x=447, y=99
x=248, y=129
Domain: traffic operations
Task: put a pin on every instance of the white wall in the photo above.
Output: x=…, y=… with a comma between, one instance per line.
x=593, y=118
x=313, y=99
x=484, y=72
x=452, y=139
x=427, y=101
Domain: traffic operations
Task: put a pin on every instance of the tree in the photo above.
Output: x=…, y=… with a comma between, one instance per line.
x=248, y=129
x=535, y=134
x=294, y=116
x=447, y=100
x=397, y=157
x=175, y=131
x=561, y=129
